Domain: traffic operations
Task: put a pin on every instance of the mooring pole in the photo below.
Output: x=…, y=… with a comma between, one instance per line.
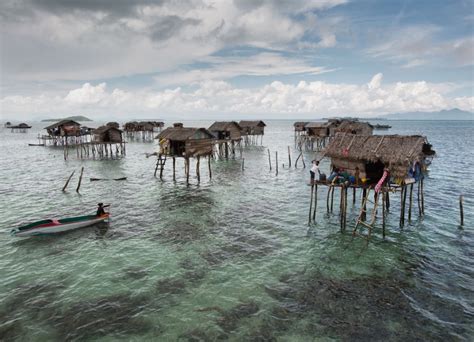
x=384, y=205
x=461, y=210
x=209, y=165
x=243, y=163
x=315, y=201
x=67, y=182
x=311, y=204
x=174, y=168
x=269, y=160
x=289, y=157
x=410, y=202
x=80, y=180
x=198, y=173
x=276, y=162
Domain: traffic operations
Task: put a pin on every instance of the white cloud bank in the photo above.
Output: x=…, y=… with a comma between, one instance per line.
x=221, y=99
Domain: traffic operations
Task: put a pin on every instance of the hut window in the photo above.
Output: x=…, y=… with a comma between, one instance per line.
x=374, y=171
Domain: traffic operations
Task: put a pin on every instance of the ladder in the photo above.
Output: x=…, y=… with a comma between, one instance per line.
x=160, y=164
x=363, y=211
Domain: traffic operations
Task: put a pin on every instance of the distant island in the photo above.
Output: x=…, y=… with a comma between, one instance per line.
x=75, y=118
x=452, y=114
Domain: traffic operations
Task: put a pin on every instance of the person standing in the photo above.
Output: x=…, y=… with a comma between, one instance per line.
x=314, y=170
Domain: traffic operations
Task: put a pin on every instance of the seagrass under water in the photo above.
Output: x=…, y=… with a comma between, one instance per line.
x=233, y=257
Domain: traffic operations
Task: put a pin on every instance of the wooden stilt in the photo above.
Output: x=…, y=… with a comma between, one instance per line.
x=402, y=206
x=315, y=201
x=269, y=160
x=422, y=198
x=209, y=165
x=289, y=157
x=419, y=199
x=410, y=200
x=67, y=182
x=332, y=197
x=341, y=209
x=364, y=205
x=387, y=201
x=174, y=168
x=187, y=170
x=276, y=162
x=353, y=196
x=80, y=180
x=243, y=163
x=461, y=210
x=327, y=198
x=198, y=173
x=311, y=204
x=384, y=205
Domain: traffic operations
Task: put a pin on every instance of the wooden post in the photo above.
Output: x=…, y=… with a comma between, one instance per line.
x=186, y=160
x=402, y=206
x=276, y=162
x=384, y=205
x=289, y=157
x=209, y=165
x=341, y=209
x=162, y=166
x=353, y=195
x=387, y=201
x=419, y=198
x=315, y=201
x=157, y=163
x=174, y=168
x=327, y=198
x=332, y=197
x=422, y=198
x=363, y=217
x=80, y=180
x=461, y=210
x=269, y=160
x=67, y=182
x=198, y=173
x=243, y=162
x=410, y=202
x=311, y=204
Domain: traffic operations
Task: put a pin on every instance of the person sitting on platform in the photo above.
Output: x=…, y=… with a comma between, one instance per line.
x=100, y=209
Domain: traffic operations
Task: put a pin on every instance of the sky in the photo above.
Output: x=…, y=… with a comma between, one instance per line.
x=234, y=59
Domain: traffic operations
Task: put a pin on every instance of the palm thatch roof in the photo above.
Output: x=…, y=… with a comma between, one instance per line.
x=316, y=125
x=103, y=129
x=300, y=123
x=350, y=126
x=223, y=126
x=254, y=123
x=397, y=152
x=182, y=133
x=62, y=123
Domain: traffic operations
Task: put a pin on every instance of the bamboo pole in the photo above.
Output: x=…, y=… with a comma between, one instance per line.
x=384, y=205
x=289, y=157
x=461, y=210
x=363, y=217
x=422, y=198
x=341, y=209
x=315, y=201
x=80, y=180
x=243, y=163
x=269, y=159
x=311, y=204
x=327, y=198
x=332, y=197
x=410, y=202
x=209, y=165
x=174, y=168
x=419, y=199
x=198, y=173
x=276, y=162
x=186, y=160
x=67, y=182
x=353, y=196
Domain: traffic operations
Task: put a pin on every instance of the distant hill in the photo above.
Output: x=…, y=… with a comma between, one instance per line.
x=75, y=118
x=452, y=114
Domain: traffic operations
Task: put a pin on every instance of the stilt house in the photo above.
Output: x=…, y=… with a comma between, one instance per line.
x=371, y=154
x=179, y=141
x=64, y=128
x=108, y=134
x=354, y=127
x=226, y=130
x=300, y=126
x=252, y=127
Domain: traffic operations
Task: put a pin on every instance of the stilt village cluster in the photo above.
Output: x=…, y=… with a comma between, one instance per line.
x=379, y=166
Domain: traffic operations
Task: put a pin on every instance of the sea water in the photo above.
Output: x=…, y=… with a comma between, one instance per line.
x=232, y=257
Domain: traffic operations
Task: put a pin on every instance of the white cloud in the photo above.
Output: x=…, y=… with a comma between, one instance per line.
x=276, y=100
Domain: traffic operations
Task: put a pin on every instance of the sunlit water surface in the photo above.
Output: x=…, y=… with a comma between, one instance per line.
x=232, y=257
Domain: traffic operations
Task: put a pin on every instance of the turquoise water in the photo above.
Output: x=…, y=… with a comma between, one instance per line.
x=231, y=258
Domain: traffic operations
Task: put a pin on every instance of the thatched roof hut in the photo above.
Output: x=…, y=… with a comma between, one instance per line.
x=226, y=130
x=371, y=154
x=255, y=127
x=300, y=126
x=64, y=128
x=186, y=142
x=113, y=124
x=107, y=134
x=317, y=129
x=354, y=127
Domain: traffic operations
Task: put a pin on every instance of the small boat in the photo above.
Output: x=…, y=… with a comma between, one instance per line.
x=379, y=126
x=58, y=226
x=35, y=144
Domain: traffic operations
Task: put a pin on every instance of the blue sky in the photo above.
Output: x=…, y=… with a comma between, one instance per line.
x=239, y=58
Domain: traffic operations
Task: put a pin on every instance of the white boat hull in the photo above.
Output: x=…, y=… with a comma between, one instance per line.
x=59, y=228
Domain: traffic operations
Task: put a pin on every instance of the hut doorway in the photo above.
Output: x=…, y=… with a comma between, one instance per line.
x=178, y=147
x=374, y=171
